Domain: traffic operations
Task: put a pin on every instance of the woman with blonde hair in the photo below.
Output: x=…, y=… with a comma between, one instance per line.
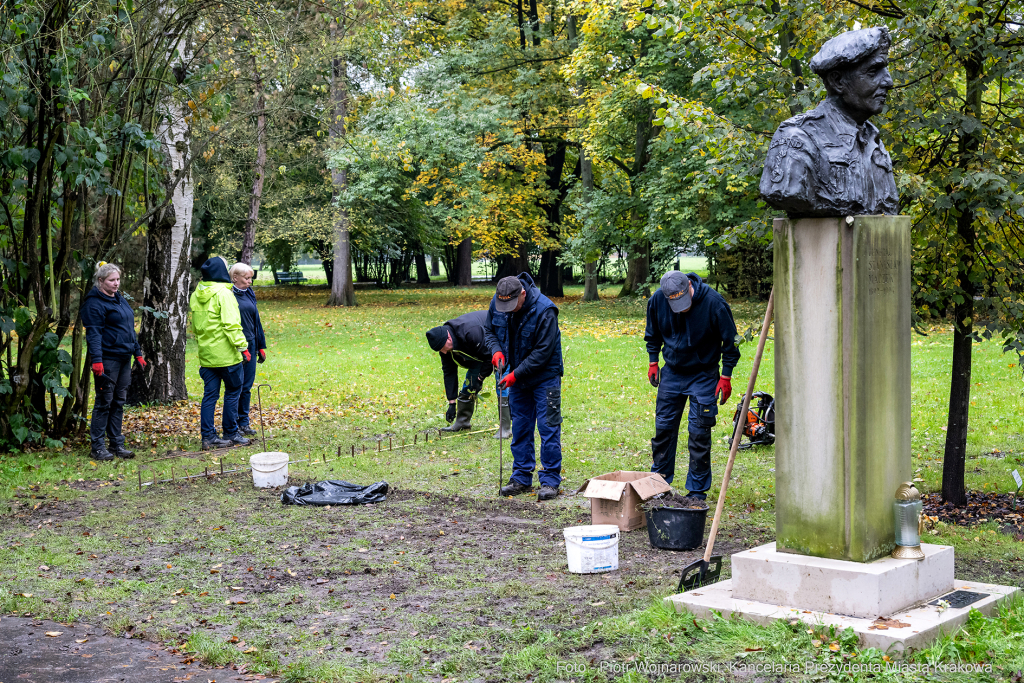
x=241, y=286
x=110, y=335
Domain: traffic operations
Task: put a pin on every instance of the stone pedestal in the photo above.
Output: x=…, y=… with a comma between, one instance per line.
x=842, y=383
x=854, y=589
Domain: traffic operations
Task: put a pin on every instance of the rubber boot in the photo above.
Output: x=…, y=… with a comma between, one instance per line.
x=463, y=415
x=505, y=428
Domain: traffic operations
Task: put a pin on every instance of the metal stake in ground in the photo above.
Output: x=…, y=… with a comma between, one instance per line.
x=501, y=440
x=259, y=400
x=708, y=569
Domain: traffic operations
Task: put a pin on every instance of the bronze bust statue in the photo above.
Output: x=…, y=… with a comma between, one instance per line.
x=830, y=161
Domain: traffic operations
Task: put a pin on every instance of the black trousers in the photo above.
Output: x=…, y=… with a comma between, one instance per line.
x=108, y=409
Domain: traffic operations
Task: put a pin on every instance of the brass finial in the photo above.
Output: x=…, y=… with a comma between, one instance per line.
x=907, y=491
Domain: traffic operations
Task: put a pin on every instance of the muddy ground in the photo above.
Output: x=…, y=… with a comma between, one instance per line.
x=430, y=585
x=37, y=651
x=428, y=581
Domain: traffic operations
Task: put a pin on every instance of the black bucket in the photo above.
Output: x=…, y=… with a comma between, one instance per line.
x=676, y=528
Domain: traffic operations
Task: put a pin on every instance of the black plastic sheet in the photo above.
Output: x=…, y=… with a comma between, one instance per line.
x=335, y=493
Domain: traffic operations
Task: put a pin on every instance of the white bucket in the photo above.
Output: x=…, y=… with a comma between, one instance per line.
x=592, y=549
x=269, y=469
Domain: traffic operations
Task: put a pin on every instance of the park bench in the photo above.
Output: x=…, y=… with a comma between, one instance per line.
x=292, y=278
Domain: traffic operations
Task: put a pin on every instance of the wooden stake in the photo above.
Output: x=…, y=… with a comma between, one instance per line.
x=139, y=470
x=339, y=451
x=353, y=450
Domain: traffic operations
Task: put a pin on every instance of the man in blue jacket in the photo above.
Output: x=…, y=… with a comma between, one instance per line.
x=522, y=333
x=690, y=324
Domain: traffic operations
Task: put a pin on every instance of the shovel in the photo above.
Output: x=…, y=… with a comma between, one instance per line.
x=708, y=569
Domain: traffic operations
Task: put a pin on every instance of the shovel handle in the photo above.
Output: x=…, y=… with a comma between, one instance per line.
x=738, y=432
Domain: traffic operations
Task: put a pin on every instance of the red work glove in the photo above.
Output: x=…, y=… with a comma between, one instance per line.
x=653, y=374
x=724, y=388
x=97, y=369
x=507, y=381
x=246, y=355
x=142, y=362
x=498, y=360
x=263, y=356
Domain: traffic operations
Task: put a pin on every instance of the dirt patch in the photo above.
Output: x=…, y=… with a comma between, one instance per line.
x=413, y=579
x=981, y=508
x=80, y=653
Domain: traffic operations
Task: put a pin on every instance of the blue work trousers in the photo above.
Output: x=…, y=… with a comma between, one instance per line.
x=231, y=376
x=540, y=404
x=248, y=377
x=673, y=392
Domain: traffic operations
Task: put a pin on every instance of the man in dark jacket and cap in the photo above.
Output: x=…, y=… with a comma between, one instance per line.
x=691, y=325
x=522, y=334
x=460, y=342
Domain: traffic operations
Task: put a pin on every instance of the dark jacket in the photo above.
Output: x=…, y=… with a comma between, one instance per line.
x=109, y=326
x=469, y=350
x=530, y=339
x=693, y=342
x=252, y=328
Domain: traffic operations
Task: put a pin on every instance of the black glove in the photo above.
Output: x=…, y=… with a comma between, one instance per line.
x=450, y=414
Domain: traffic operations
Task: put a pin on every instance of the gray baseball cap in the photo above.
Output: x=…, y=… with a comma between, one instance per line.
x=676, y=287
x=507, y=294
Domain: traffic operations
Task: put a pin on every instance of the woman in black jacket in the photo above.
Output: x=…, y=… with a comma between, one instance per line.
x=241, y=285
x=110, y=333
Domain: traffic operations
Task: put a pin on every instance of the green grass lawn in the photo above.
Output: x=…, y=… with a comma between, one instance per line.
x=370, y=369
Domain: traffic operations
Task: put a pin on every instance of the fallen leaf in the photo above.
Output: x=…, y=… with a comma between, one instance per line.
x=834, y=647
x=82, y=640
x=816, y=643
x=597, y=604
x=54, y=634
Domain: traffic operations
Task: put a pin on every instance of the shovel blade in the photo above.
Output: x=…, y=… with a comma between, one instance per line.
x=700, y=573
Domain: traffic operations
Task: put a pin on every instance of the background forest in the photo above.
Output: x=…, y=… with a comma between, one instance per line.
x=558, y=138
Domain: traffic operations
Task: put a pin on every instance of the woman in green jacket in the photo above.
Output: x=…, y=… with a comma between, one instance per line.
x=217, y=325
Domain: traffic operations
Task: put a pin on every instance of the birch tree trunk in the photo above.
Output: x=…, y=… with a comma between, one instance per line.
x=343, y=293
x=168, y=274
x=249, y=238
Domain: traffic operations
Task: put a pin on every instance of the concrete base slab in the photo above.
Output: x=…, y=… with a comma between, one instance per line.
x=924, y=623
x=856, y=589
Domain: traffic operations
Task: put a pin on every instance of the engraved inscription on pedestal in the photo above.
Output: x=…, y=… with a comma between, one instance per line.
x=882, y=270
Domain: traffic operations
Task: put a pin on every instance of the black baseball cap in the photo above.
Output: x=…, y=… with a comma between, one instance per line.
x=676, y=287
x=507, y=294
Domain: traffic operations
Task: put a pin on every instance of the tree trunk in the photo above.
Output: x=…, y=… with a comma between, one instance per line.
x=168, y=272
x=638, y=271
x=550, y=274
x=249, y=238
x=342, y=291
x=587, y=178
x=435, y=266
x=954, y=458
x=464, y=263
x=422, y=276
x=639, y=266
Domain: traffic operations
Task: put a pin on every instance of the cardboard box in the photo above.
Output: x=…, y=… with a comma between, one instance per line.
x=615, y=497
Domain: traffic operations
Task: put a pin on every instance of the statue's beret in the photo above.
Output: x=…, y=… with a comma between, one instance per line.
x=849, y=48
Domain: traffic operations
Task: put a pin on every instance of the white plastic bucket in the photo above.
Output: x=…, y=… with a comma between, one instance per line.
x=592, y=549
x=269, y=469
